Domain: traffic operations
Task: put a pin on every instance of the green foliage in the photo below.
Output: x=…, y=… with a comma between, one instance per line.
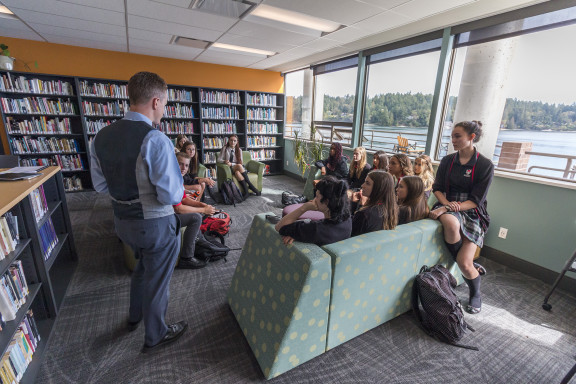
x=300, y=153
x=4, y=50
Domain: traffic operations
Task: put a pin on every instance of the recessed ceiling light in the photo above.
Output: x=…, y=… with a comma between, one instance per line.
x=254, y=51
x=6, y=13
x=295, y=18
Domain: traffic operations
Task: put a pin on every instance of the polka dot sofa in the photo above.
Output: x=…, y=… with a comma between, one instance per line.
x=294, y=303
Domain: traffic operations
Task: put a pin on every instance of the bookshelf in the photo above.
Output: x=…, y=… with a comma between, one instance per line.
x=48, y=266
x=207, y=116
x=42, y=121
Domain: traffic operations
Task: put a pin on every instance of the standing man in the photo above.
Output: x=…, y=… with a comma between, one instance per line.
x=135, y=164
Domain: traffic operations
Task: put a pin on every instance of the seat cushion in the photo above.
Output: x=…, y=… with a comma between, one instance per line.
x=312, y=215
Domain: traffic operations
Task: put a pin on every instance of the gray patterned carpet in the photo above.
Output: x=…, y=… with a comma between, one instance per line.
x=519, y=342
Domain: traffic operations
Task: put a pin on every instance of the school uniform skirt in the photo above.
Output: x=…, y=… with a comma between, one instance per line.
x=470, y=224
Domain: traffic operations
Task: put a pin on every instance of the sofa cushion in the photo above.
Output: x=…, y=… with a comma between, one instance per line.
x=312, y=215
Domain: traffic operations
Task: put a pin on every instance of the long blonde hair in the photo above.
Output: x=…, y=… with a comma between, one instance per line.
x=357, y=167
x=427, y=173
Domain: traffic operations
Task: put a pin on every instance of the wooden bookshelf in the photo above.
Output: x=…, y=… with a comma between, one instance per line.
x=47, y=275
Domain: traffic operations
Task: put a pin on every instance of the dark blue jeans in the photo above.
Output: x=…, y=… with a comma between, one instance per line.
x=156, y=244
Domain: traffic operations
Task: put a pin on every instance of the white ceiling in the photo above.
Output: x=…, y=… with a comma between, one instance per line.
x=148, y=26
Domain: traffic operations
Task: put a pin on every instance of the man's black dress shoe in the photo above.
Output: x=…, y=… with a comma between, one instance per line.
x=174, y=332
x=191, y=263
x=132, y=326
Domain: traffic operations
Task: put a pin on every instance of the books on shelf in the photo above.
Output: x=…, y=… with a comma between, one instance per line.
x=111, y=108
x=9, y=234
x=214, y=142
x=20, y=350
x=39, y=203
x=178, y=111
x=176, y=127
x=263, y=99
x=27, y=144
x=48, y=238
x=39, y=106
x=210, y=157
x=93, y=126
x=119, y=91
x=230, y=113
x=13, y=290
x=261, y=141
x=179, y=95
x=40, y=125
x=211, y=172
x=220, y=97
x=263, y=154
x=254, y=127
x=12, y=83
x=261, y=114
x=211, y=127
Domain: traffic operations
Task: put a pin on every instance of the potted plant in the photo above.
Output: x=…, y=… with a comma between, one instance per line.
x=6, y=62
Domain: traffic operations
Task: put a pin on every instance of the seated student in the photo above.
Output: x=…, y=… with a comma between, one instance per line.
x=380, y=161
x=335, y=165
x=423, y=168
x=411, y=201
x=331, y=199
x=400, y=166
x=358, y=169
x=380, y=210
x=191, y=180
x=231, y=155
x=180, y=140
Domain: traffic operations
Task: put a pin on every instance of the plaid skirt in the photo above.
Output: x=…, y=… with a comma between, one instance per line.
x=469, y=221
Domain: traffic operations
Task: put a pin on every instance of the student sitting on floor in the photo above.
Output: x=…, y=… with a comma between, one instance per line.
x=411, y=200
x=332, y=200
x=380, y=210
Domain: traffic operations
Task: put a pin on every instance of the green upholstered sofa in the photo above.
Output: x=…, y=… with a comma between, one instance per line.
x=254, y=168
x=294, y=303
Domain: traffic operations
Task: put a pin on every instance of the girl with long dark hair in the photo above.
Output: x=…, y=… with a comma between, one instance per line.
x=231, y=155
x=411, y=200
x=380, y=210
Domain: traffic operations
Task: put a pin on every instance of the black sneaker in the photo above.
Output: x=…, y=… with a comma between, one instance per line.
x=174, y=332
x=191, y=263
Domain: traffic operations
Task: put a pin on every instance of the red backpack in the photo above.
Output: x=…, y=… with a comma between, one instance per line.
x=219, y=223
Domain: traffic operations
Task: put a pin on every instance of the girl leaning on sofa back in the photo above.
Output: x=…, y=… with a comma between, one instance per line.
x=380, y=211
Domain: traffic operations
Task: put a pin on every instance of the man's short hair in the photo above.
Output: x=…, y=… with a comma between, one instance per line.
x=144, y=86
x=183, y=155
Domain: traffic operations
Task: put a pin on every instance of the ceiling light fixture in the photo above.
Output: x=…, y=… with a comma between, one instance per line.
x=295, y=18
x=6, y=13
x=254, y=51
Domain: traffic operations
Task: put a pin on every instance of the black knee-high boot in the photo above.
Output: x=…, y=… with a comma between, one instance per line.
x=250, y=185
x=475, y=303
x=245, y=190
x=454, y=248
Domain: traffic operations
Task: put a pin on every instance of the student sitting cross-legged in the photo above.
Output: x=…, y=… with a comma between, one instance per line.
x=332, y=200
x=380, y=210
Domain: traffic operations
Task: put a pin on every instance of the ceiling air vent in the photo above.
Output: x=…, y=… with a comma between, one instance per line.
x=187, y=42
x=228, y=8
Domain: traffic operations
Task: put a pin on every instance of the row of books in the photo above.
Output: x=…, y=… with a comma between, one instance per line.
x=210, y=157
x=220, y=113
x=179, y=95
x=211, y=172
x=220, y=97
x=224, y=127
x=66, y=162
x=263, y=154
x=9, y=234
x=19, y=353
x=263, y=99
x=93, y=126
x=176, y=127
x=72, y=183
x=178, y=111
x=103, y=90
x=111, y=108
x=39, y=105
x=13, y=290
x=214, y=142
x=254, y=127
x=11, y=83
x=27, y=144
x=261, y=114
x=261, y=141
x=48, y=238
x=39, y=203
x=40, y=125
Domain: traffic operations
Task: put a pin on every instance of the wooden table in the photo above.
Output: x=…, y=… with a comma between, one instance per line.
x=12, y=192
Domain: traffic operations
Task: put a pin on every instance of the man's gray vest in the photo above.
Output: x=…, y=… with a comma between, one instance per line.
x=118, y=148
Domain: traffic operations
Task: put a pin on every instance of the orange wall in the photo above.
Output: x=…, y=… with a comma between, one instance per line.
x=61, y=59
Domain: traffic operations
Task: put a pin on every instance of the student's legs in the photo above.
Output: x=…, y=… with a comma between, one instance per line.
x=192, y=222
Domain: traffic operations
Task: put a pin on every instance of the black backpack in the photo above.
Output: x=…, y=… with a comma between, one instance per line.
x=441, y=315
x=230, y=193
x=289, y=198
x=210, y=246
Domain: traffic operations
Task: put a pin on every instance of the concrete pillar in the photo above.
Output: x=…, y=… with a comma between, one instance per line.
x=482, y=94
x=307, y=102
x=513, y=156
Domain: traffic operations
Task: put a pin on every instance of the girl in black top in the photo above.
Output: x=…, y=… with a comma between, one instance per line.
x=380, y=210
x=411, y=200
x=358, y=169
x=331, y=199
x=380, y=161
x=335, y=165
x=191, y=180
x=461, y=186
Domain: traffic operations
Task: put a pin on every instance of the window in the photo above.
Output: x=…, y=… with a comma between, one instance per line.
x=294, y=90
x=521, y=87
x=399, y=95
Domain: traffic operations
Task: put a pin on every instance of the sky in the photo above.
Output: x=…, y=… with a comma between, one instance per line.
x=542, y=69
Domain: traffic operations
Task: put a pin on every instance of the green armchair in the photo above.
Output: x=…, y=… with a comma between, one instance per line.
x=255, y=171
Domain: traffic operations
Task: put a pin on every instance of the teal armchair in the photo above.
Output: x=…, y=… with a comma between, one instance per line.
x=255, y=171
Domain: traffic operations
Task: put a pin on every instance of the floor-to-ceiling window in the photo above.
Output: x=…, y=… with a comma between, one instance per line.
x=294, y=90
